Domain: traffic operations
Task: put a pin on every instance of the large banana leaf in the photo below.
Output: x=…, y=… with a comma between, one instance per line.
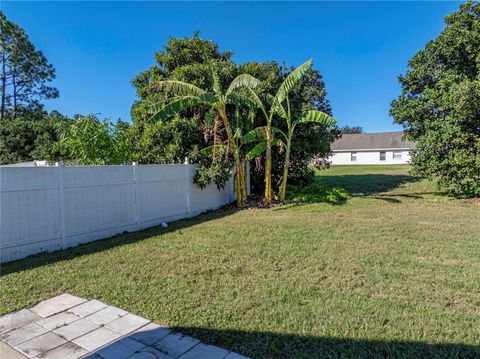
x=244, y=80
x=292, y=79
x=216, y=79
x=241, y=100
x=318, y=117
x=156, y=106
x=180, y=104
x=276, y=106
x=257, y=150
x=179, y=88
x=253, y=95
x=261, y=147
x=207, y=151
x=254, y=135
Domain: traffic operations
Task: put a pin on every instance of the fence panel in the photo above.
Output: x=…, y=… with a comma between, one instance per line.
x=161, y=193
x=29, y=211
x=99, y=202
x=50, y=208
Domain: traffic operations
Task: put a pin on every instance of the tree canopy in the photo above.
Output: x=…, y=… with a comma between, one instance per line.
x=349, y=130
x=31, y=135
x=25, y=72
x=439, y=106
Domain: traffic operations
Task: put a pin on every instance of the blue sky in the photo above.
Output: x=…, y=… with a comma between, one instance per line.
x=359, y=47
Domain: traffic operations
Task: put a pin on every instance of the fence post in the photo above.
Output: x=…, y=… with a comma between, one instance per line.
x=136, y=205
x=188, y=189
x=61, y=204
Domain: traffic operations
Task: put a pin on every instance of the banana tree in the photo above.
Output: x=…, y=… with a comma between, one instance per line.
x=276, y=109
x=313, y=116
x=181, y=96
x=243, y=134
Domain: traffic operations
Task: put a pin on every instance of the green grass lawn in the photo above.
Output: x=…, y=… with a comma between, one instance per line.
x=392, y=273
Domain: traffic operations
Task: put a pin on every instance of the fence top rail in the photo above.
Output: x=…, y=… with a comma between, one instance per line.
x=17, y=166
x=130, y=165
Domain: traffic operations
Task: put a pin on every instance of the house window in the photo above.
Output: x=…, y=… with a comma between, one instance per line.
x=397, y=155
x=383, y=156
x=353, y=156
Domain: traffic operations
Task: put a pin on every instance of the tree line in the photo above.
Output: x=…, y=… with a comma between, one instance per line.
x=257, y=122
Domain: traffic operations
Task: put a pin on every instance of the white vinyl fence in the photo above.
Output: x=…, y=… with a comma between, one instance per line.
x=49, y=208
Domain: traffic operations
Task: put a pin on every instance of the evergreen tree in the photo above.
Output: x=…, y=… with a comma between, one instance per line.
x=25, y=72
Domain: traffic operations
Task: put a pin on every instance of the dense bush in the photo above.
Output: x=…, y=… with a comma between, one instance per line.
x=90, y=141
x=317, y=192
x=31, y=136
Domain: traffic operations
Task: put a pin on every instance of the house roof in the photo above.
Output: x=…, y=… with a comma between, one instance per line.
x=372, y=141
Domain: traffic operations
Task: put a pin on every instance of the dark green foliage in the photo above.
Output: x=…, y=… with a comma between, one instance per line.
x=166, y=142
x=31, y=136
x=216, y=169
x=349, y=130
x=184, y=59
x=440, y=104
x=183, y=136
x=317, y=192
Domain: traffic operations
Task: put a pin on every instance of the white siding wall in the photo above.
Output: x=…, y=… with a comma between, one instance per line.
x=50, y=208
x=368, y=158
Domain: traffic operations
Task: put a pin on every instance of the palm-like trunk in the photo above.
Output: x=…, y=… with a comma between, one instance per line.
x=268, y=165
x=241, y=183
x=286, y=166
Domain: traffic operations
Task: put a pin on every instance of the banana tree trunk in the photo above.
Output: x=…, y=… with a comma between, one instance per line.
x=241, y=183
x=239, y=187
x=286, y=166
x=243, y=180
x=268, y=166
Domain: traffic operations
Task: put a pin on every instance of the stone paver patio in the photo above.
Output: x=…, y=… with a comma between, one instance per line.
x=69, y=327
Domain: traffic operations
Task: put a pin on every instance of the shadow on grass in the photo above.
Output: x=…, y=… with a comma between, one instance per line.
x=42, y=259
x=394, y=198
x=368, y=184
x=267, y=345
x=274, y=345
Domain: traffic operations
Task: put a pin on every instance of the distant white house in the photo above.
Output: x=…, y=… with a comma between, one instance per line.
x=380, y=148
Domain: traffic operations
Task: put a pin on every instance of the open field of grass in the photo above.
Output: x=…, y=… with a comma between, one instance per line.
x=392, y=273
